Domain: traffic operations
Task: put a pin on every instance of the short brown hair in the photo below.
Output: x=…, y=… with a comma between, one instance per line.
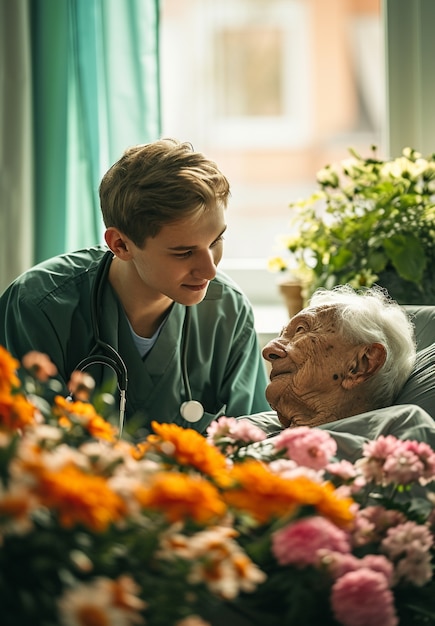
x=158, y=183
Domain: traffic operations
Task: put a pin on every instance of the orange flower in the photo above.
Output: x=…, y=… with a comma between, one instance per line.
x=8, y=371
x=101, y=429
x=267, y=496
x=16, y=412
x=76, y=409
x=179, y=496
x=189, y=448
x=80, y=498
x=336, y=508
x=139, y=450
x=259, y=492
x=86, y=415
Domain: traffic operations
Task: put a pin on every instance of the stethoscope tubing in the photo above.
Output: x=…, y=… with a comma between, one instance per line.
x=191, y=410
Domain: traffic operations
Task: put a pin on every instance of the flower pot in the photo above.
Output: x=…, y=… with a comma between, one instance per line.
x=291, y=292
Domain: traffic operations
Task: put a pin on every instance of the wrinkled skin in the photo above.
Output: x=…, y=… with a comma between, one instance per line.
x=317, y=376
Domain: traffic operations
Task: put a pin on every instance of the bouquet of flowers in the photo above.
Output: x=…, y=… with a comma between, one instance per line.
x=186, y=530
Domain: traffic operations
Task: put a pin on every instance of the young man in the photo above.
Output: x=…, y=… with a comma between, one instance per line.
x=151, y=307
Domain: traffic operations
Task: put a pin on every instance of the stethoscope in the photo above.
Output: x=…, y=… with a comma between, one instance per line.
x=191, y=410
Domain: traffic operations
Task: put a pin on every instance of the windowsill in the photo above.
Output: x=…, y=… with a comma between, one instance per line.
x=269, y=320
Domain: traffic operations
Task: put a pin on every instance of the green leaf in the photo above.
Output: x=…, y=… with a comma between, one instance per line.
x=341, y=258
x=376, y=260
x=407, y=256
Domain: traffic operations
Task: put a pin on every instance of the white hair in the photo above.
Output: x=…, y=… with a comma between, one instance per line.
x=369, y=316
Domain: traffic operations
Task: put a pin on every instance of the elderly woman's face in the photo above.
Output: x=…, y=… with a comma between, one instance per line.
x=309, y=361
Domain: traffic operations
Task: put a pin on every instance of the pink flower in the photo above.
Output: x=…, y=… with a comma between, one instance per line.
x=307, y=446
x=230, y=428
x=375, y=454
x=192, y=620
x=81, y=385
x=40, y=365
x=289, y=469
x=378, y=563
x=298, y=543
x=344, y=470
x=408, y=545
x=403, y=467
x=391, y=461
x=363, y=598
x=339, y=564
x=381, y=447
x=426, y=457
x=371, y=524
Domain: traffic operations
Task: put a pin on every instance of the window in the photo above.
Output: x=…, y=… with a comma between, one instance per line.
x=272, y=90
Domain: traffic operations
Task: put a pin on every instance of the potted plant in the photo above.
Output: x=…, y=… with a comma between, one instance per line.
x=370, y=221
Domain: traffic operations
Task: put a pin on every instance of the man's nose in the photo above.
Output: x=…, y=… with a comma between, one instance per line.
x=206, y=266
x=274, y=350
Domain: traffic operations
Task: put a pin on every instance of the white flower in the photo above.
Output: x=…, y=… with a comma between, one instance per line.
x=102, y=601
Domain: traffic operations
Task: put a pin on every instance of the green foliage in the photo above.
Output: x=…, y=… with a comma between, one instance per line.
x=372, y=221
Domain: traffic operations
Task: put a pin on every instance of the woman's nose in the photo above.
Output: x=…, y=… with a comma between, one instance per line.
x=273, y=350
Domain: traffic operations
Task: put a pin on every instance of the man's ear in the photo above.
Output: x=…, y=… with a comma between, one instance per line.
x=118, y=243
x=367, y=362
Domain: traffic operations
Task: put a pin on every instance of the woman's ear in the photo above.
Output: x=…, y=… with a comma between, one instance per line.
x=118, y=243
x=368, y=361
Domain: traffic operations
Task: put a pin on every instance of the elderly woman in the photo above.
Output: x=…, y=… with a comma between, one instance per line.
x=342, y=355
x=338, y=363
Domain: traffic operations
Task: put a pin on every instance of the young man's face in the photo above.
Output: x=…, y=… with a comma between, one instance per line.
x=182, y=259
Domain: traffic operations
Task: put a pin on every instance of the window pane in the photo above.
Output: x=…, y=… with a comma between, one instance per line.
x=249, y=72
x=273, y=90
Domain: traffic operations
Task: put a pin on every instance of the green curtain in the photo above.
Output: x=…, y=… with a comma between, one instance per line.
x=16, y=142
x=95, y=67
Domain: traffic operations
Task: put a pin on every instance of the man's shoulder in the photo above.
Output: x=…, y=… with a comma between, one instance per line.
x=53, y=276
x=224, y=298
x=223, y=286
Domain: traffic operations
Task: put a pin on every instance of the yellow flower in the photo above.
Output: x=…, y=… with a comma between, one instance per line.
x=187, y=447
x=8, y=371
x=276, y=264
x=180, y=496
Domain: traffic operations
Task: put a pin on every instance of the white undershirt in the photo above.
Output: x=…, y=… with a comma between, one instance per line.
x=144, y=344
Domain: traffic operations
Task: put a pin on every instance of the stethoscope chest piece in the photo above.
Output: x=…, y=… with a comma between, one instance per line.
x=192, y=411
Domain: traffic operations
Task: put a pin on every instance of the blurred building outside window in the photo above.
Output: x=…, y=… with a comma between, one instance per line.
x=272, y=90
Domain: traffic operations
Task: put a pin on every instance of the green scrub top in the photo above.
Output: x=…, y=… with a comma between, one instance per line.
x=48, y=309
